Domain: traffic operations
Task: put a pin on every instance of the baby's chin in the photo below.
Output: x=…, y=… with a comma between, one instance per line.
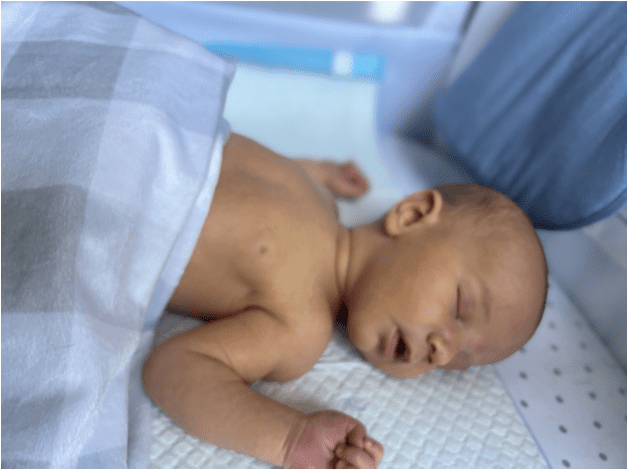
x=405, y=372
x=454, y=367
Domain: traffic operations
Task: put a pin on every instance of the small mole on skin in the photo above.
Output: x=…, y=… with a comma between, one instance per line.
x=263, y=249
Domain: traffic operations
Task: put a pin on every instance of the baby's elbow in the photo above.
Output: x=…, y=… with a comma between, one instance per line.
x=148, y=371
x=157, y=373
x=150, y=374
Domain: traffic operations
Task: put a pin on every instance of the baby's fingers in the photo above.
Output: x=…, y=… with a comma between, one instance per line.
x=375, y=449
x=344, y=180
x=358, y=438
x=353, y=457
x=351, y=173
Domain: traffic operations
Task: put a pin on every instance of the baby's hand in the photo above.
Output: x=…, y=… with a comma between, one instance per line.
x=330, y=439
x=342, y=179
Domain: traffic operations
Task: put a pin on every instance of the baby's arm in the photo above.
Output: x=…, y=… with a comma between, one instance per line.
x=201, y=380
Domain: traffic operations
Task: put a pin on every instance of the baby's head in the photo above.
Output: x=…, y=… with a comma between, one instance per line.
x=458, y=278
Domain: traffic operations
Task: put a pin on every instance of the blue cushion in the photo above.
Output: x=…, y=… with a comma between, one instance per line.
x=541, y=113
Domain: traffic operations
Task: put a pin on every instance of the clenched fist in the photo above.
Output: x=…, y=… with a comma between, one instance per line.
x=330, y=439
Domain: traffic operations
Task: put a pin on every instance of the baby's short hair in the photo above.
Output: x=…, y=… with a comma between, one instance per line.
x=492, y=215
x=488, y=208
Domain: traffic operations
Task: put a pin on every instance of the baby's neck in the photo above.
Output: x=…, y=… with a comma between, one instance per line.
x=355, y=248
x=342, y=261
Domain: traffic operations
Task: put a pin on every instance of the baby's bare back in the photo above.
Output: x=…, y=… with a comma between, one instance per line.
x=269, y=241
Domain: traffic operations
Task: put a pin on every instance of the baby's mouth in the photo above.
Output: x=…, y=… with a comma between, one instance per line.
x=396, y=348
x=390, y=348
x=400, y=350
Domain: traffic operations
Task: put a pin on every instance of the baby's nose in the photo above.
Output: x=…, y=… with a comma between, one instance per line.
x=442, y=350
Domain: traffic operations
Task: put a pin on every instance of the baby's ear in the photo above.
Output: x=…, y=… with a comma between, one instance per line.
x=418, y=209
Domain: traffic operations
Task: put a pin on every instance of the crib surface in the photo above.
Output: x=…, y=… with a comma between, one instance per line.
x=559, y=402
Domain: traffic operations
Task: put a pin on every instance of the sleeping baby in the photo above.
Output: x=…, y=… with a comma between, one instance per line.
x=449, y=277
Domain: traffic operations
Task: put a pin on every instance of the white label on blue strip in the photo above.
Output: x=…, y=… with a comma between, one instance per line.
x=343, y=63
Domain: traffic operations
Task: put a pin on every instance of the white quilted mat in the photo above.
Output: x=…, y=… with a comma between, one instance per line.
x=443, y=419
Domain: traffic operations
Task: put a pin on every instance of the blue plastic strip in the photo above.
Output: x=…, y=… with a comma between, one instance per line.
x=368, y=66
x=294, y=58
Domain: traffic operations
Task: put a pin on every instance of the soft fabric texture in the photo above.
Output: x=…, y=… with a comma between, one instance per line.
x=541, y=112
x=112, y=137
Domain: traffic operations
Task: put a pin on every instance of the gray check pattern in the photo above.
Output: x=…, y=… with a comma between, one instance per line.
x=110, y=126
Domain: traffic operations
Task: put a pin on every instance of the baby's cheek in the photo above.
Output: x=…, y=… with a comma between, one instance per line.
x=461, y=361
x=357, y=333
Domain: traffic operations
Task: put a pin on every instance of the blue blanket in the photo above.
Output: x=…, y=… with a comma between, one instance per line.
x=112, y=136
x=541, y=113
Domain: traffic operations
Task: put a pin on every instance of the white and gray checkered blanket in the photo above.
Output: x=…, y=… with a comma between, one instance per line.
x=112, y=136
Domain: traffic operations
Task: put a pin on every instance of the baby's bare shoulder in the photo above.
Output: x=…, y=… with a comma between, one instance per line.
x=268, y=235
x=307, y=342
x=260, y=344
x=264, y=264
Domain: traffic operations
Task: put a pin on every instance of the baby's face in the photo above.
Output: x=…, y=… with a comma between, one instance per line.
x=442, y=300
